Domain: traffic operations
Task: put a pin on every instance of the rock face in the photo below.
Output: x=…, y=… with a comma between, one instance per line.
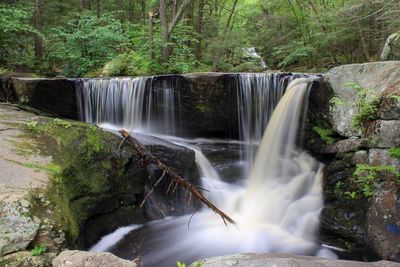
x=76, y=258
x=361, y=175
x=379, y=76
x=16, y=230
x=25, y=259
x=272, y=260
x=56, y=96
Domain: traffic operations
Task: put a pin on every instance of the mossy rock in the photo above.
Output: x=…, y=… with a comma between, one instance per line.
x=94, y=177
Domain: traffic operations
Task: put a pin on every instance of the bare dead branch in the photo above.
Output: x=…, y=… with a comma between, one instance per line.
x=148, y=157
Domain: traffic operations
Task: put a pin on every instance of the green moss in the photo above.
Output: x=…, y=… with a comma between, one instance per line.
x=87, y=176
x=395, y=152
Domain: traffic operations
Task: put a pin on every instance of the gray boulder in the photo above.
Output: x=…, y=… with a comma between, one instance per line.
x=386, y=133
x=273, y=260
x=77, y=258
x=16, y=230
x=377, y=76
x=391, y=50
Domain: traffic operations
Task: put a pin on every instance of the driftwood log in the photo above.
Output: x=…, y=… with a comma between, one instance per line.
x=147, y=157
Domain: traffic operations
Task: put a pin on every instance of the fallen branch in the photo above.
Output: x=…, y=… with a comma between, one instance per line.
x=148, y=157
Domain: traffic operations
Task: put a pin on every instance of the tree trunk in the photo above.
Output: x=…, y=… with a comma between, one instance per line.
x=38, y=27
x=100, y=8
x=119, y=4
x=168, y=28
x=164, y=35
x=132, y=10
x=151, y=34
x=230, y=17
x=199, y=29
x=143, y=11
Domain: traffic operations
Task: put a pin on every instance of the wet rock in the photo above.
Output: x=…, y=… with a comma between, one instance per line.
x=7, y=93
x=341, y=146
x=25, y=259
x=272, y=260
x=377, y=76
x=16, y=230
x=76, y=258
x=383, y=220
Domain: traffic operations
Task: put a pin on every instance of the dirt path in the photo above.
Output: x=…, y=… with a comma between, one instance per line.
x=19, y=159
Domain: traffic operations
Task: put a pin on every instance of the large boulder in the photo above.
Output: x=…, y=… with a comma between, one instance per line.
x=391, y=50
x=98, y=182
x=272, y=260
x=378, y=76
x=360, y=188
x=77, y=258
x=16, y=230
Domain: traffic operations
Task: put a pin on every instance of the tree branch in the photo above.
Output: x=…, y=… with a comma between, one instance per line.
x=177, y=16
x=148, y=157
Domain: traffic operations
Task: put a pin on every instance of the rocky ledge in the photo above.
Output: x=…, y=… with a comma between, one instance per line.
x=273, y=260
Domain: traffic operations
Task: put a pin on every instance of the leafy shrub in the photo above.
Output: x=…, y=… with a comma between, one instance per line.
x=394, y=152
x=325, y=135
x=366, y=103
x=366, y=177
x=38, y=250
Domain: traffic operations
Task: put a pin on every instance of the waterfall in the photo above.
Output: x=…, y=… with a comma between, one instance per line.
x=277, y=210
x=257, y=97
x=143, y=104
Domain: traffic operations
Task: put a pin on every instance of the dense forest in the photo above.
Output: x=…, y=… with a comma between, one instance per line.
x=140, y=37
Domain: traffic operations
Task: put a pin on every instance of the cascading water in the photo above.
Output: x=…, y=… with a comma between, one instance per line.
x=257, y=97
x=276, y=210
x=143, y=104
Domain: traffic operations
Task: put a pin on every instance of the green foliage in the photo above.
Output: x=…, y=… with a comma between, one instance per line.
x=339, y=191
x=33, y=126
x=86, y=43
x=367, y=177
x=62, y=123
x=366, y=103
x=16, y=32
x=336, y=101
x=325, y=135
x=182, y=264
x=394, y=152
x=38, y=250
x=294, y=52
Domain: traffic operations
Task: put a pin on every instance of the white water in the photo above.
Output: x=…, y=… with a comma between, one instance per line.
x=257, y=97
x=141, y=104
x=277, y=211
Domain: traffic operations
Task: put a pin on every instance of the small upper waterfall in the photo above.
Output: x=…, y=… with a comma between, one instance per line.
x=145, y=104
x=276, y=210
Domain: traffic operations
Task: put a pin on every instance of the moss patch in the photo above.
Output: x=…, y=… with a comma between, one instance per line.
x=88, y=178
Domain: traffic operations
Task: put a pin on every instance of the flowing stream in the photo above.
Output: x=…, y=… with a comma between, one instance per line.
x=276, y=206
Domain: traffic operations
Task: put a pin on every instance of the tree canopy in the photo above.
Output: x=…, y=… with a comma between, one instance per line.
x=145, y=37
